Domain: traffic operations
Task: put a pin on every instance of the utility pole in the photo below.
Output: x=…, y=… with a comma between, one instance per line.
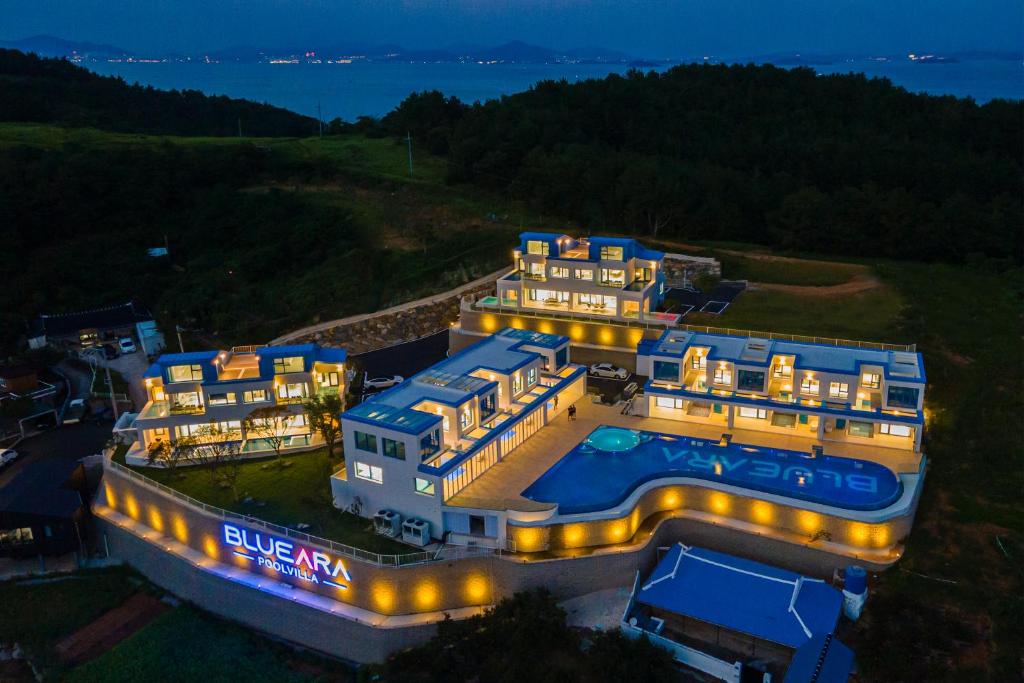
x=408, y=142
x=319, y=119
x=181, y=347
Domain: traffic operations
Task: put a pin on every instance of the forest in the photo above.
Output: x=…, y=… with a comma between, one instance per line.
x=40, y=90
x=841, y=165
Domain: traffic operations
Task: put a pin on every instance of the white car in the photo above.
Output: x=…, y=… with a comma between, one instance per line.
x=384, y=382
x=608, y=370
x=7, y=455
x=126, y=344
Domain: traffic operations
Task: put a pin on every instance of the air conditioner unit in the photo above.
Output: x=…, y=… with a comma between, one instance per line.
x=416, y=532
x=387, y=523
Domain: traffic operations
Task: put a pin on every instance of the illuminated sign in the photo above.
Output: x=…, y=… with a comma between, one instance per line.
x=286, y=557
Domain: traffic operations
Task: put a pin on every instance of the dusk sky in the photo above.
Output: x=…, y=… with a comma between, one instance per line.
x=656, y=28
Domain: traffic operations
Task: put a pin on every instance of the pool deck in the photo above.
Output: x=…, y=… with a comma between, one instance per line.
x=500, y=487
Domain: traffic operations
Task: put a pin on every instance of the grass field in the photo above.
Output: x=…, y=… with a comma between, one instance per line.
x=797, y=272
x=297, y=494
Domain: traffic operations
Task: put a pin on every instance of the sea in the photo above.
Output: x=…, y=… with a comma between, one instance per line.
x=370, y=88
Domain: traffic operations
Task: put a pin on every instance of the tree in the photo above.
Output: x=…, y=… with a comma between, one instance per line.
x=267, y=424
x=170, y=455
x=322, y=411
x=221, y=454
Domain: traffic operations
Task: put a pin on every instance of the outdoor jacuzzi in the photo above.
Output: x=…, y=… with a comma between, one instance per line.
x=612, y=462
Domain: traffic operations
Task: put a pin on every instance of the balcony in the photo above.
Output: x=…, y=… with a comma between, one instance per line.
x=154, y=409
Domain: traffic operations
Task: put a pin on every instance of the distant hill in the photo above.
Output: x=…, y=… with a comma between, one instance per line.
x=49, y=90
x=50, y=46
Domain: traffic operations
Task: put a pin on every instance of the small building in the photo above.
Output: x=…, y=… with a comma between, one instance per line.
x=212, y=393
x=43, y=510
x=85, y=329
x=723, y=614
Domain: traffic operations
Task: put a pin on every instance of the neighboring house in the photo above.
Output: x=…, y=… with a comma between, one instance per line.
x=85, y=329
x=721, y=614
x=411, y=448
x=605, y=277
x=188, y=392
x=43, y=509
x=849, y=394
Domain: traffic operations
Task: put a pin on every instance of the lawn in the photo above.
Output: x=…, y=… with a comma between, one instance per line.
x=185, y=644
x=298, y=493
x=37, y=613
x=790, y=272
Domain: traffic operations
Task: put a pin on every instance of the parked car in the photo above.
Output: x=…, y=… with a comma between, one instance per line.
x=127, y=345
x=110, y=352
x=384, y=382
x=608, y=370
x=7, y=456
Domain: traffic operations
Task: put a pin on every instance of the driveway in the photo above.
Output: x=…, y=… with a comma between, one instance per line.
x=402, y=359
x=132, y=366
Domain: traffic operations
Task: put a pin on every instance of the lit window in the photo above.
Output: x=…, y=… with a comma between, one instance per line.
x=697, y=362
x=327, y=379
x=783, y=371
x=838, y=390
x=186, y=402
x=756, y=413
x=669, y=402
x=369, y=472
x=222, y=399
x=537, y=247
x=466, y=417
x=531, y=377
x=255, y=396
x=517, y=384
x=615, y=277
x=870, y=380
x=424, y=486
x=894, y=430
x=292, y=391
x=723, y=375
x=583, y=274
x=559, y=272
x=291, y=364
x=810, y=386
x=611, y=253
x=185, y=373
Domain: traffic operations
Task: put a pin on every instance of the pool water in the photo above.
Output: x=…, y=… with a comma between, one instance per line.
x=607, y=466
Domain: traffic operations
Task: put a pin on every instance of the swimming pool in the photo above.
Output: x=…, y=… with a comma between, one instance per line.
x=607, y=466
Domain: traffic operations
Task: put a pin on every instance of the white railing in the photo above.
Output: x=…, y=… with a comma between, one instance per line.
x=381, y=560
x=829, y=341
x=569, y=315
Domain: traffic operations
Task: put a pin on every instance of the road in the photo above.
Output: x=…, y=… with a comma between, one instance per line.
x=70, y=442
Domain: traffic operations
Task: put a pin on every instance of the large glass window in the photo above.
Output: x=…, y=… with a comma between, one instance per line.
x=840, y=390
x=369, y=472
x=865, y=429
x=429, y=445
x=583, y=274
x=185, y=373
x=255, y=396
x=750, y=380
x=365, y=442
x=870, y=380
x=327, y=379
x=424, y=486
x=560, y=272
x=186, y=402
x=782, y=372
x=903, y=397
x=810, y=386
x=292, y=392
x=893, y=430
x=665, y=371
x=756, y=413
x=517, y=383
x=227, y=399
x=487, y=406
x=697, y=362
x=466, y=417
x=723, y=375
x=611, y=253
x=21, y=536
x=537, y=247
x=668, y=402
x=561, y=358
x=291, y=364
x=393, y=449
x=615, y=277
x=548, y=296
x=535, y=271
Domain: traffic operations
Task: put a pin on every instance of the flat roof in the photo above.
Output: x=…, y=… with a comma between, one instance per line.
x=741, y=595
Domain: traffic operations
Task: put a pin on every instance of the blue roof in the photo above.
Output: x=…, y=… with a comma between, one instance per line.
x=331, y=355
x=168, y=359
x=823, y=659
x=741, y=595
x=548, y=341
x=558, y=243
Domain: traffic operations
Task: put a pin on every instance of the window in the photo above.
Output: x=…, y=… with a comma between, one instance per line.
x=550, y=296
x=669, y=402
x=560, y=272
x=517, y=383
x=903, y=397
x=865, y=429
x=186, y=402
x=430, y=444
x=424, y=487
x=750, y=380
x=290, y=364
x=466, y=417
x=870, y=380
x=292, y=392
x=782, y=372
x=185, y=373
x=487, y=406
x=583, y=274
x=229, y=429
x=598, y=301
x=665, y=371
x=723, y=375
x=365, y=442
x=810, y=386
x=186, y=431
x=611, y=253
x=394, y=449
x=537, y=247
x=227, y=399
x=327, y=379
x=15, y=536
x=756, y=413
x=614, y=277
x=644, y=274
x=893, y=430
x=838, y=390
x=697, y=362
x=255, y=396
x=531, y=377
x=369, y=472
x=535, y=271
x=446, y=423
x=561, y=358
x=477, y=525
x=158, y=434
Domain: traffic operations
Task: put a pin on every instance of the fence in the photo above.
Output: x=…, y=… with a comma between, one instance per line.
x=877, y=346
x=445, y=553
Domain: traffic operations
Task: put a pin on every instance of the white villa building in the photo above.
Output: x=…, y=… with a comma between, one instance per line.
x=606, y=277
x=826, y=392
x=191, y=393
x=411, y=448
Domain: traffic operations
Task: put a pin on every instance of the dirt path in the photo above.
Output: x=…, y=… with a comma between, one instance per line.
x=861, y=282
x=111, y=628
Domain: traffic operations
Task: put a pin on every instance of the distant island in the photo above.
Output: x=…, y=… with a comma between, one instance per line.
x=513, y=52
